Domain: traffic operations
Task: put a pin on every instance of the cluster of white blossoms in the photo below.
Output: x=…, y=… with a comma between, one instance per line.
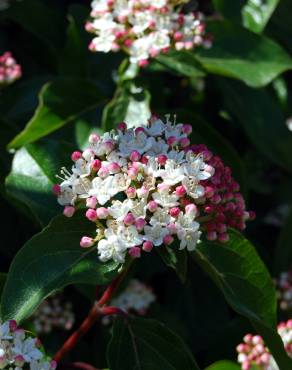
x=253, y=354
x=20, y=351
x=136, y=298
x=10, y=71
x=53, y=313
x=144, y=28
x=147, y=186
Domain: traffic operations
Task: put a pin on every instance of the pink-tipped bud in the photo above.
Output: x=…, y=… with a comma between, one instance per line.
x=96, y=165
x=135, y=252
x=168, y=239
x=191, y=209
x=91, y=202
x=147, y=246
x=129, y=219
x=94, y=138
x=53, y=365
x=209, y=191
x=114, y=167
x=131, y=192
x=56, y=189
x=86, y=242
x=209, y=209
x=152, y=206
x=140, y=223
x=103, y=172
x=184, y=142
x=163, y=188
x=19, y=360
x=69, y=211
x=178, y=36
x=187, y=129
x=91, y=215
x=180, y=191
x=122, y=126
x=216, y=199
x=108, y=146
x=252, y=215
x=102, y=213
x=143, y=63
x=172, y=140
x=174, y=212
x=211, y=235
x=135, y=156
x=221, y=228
x=133, y=173
x=161, y=159
x=88, y=154
x=144, y=159
x=223, y=238
x=142, y=192
x=76, y=155
x=12, y=325
x=172, y=228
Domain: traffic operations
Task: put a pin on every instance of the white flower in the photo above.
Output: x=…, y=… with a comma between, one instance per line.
x=159, y=40
x=172, y=173
x=158, y=147
x=139, y=208
x=131, y=141
x=155, y=234
x=81, y=168
x=119, y=209
x=161, y=217
x=129, y=236
x=67, y=196
x=102, y=189
x=156, y=128
x=173, y=130
x=193, y=189
x=140, y=21
x=176, y=156
x=196, y=167
x=111, y=248
x=104, y=42
x=165, y=199
x=140, y=50
x=190, y=240
x=27, y=349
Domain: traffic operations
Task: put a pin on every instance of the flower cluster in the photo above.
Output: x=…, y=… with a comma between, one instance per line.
x=148, y=186
x=53, y=313
x=284, y=290
x=10, y=71
x=144, y=28
x=136, y=298
x=19, y=351
x=253, y=352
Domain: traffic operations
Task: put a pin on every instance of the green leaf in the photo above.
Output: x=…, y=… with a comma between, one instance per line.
x=33, y=175
x=149, y=345
x=3, y=277
x=244, y=55
x=247, y=286
x=223, y=365
x=50, y=261
x=182, y=62
x=176, y=259
x=60, y=102
x=257, y=14
x=231, y=10
x=283, y=253
x=262, y=120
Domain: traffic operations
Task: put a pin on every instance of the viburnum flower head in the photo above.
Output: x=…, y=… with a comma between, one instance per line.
x=143, y=187
x=144, y=28
x=10, y=71
x=20, y=351
x=253, y=354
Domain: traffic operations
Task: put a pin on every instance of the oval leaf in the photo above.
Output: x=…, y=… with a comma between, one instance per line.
x=223, y=365
x=144, y=344
x=60, y=102
x=243, y=55
x=48, y=262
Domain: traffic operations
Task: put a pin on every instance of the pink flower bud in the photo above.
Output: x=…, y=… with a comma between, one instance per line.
x=69, y=211
x=103, y=171
x=135, y=252
x=178, y=36
x=129, y=219
x=168, y=239
x=252, y=215
x=122, y=126
x=174, y=212
x=184, y=142
x=142, y=192
x=53, y=365
x=86, y=242
x=147, y=246
x=172, y=140
x=161, y=159
x=140, y=223
x=223, y=238
x=12, y=325
x=131, y=192
x=191, y=209
x=114, y=167
x=187, y=129
x=144, y=159
x=102, y=213
x=56, y=189
x=108, y=146
x=143, y=63
x=19, y=360
x=172, y=228
x=221, y=228
x=209, y=191
x=91, y=215
x=152, y=206
x=91, y=202
x=180, y=191
x=133, y=173
x=135, y=156
x=75, y=156
x=96, y=164
x=209, y=209
x=211, y=235
x=94, y=138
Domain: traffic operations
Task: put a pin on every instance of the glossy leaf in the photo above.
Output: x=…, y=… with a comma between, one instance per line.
x=149, y=345
x=244, y=55
x=3, y=277
x=247, y=286
x=48, y=262
x=283, y=253
x=33, y=175
x=175, y=259
x=223, y=365
x=262, y=119
x=60, y=102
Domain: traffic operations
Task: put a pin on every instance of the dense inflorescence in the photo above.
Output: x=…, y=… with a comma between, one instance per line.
x=148, y=186
x=10, y=71
x=20, y=351
x=284, y=290
x=253, y=352
x=53, y=313
x=144, y=28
